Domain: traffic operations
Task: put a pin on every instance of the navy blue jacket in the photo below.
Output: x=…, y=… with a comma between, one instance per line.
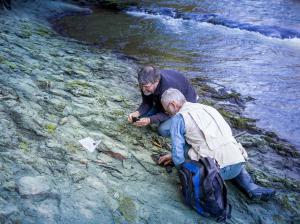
x=169, y=79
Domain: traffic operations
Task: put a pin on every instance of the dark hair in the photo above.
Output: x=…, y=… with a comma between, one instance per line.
x=148, y=74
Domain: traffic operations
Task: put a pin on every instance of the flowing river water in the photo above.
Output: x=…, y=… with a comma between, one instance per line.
x=251, y=46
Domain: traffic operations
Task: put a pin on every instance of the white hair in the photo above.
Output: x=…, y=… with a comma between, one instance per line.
x=172, y=95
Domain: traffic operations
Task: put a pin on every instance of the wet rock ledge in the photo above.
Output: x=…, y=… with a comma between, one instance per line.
x=55, y=91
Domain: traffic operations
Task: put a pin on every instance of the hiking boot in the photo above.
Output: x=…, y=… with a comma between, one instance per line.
x=254, y=191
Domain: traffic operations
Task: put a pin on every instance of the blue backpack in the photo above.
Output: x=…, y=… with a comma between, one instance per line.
x=204, y=189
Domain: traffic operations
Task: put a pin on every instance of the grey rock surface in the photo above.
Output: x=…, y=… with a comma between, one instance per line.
x=55, y=91
x=31, y=186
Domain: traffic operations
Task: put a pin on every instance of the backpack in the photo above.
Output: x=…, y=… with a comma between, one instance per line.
x=204, y=189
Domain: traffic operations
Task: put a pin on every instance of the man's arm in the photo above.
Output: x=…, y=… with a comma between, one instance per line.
x=159, y=117
x=178, y=139
x=145, y=105
x=178, y=143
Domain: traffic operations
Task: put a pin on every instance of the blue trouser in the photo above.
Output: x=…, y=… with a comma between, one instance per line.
x=164, y=127
x=227, y=172
x=231, y=171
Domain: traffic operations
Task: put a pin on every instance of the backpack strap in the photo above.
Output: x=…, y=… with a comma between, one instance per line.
x=209, y=164
x=211, y=173
x=226, y=214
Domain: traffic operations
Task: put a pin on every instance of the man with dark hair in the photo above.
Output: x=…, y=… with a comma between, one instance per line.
x=153, y=82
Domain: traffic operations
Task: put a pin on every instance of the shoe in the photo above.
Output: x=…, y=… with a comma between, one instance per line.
x=254, y=191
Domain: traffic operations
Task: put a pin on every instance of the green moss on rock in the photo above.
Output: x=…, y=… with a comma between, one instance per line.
x=2, y=59
x=43, y=31
x=77, y=84
x=208, y=102
x=128, y=209
x=71, y=147
x=51, y=128
x=238, y=122
x=24, y=146
x=10, y=64
x=25, y=31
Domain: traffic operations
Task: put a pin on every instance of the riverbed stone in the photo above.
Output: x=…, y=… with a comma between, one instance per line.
x=31, y=186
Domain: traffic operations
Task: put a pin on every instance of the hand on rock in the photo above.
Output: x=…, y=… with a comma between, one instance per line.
x=133, y=114
x=166, y=159
x=142, y=122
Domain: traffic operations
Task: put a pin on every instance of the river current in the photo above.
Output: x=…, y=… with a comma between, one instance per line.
x=250, y=46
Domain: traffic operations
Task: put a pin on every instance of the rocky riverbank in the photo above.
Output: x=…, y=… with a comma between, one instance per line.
x=55, y=91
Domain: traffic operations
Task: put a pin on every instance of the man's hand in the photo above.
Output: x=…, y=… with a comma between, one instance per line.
x=166, y=159
x=133, y=114
x=142, y=122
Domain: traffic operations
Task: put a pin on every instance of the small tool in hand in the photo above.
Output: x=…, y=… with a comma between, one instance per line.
x=135, y=119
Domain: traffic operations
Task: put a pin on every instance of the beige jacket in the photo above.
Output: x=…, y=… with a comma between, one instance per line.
x=210, y=136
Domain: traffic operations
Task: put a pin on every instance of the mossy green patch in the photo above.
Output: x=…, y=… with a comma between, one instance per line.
x=286, y=202
x=101, y=100
x=43, y=31
x=24, y=146
x=118, y=113
x=80, y=88
x=24, y=34
x=118, y=98
x=77, y=84
x=81, y=71
x=10, y=64
x=128, y=209
x=51, y=128
x=2, y=59
x=71, y=147
x=238, y=122
x=285, y=150
x=25, y=31
x=224, y=96
x=269, y=139
x=208, y=102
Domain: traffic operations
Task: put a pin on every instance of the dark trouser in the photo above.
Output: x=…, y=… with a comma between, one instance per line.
x=164, y=127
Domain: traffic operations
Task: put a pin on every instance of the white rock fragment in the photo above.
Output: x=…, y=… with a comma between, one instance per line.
x=37, y=185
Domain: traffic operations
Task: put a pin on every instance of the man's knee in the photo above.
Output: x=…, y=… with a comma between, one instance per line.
x=163, y=131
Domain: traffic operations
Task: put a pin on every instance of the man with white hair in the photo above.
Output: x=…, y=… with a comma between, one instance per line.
x=199, y=130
